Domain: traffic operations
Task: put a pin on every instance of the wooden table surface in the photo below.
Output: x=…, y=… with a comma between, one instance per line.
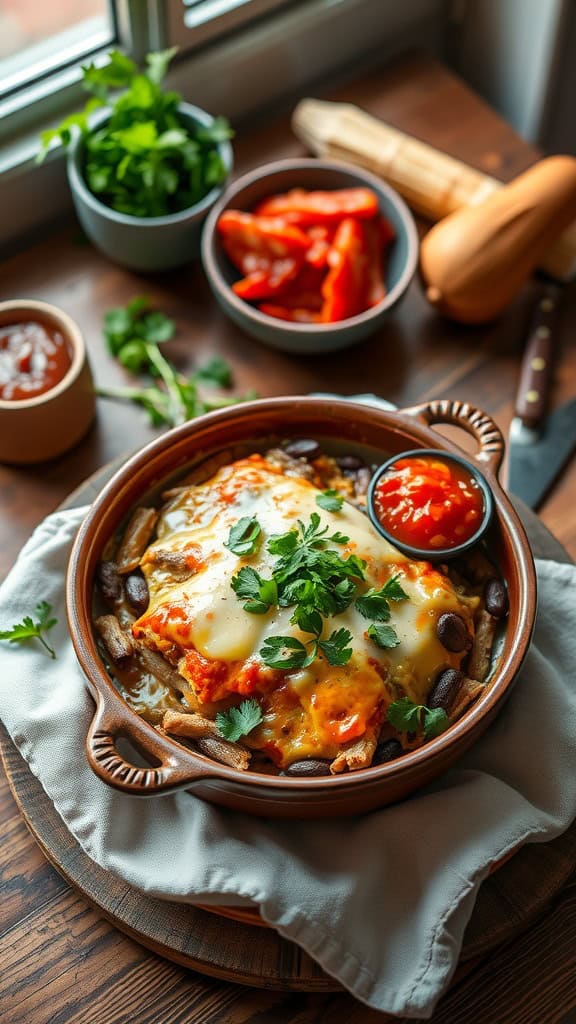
x=61, y=961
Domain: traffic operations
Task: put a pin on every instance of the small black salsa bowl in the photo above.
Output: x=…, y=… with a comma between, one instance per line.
x=431, y=554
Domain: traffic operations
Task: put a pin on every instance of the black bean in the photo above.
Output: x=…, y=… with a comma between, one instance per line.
x=496, y=598
x=137, y=591
x=445, y=689
x=109, y=581
x=303, y=448
x=452, y=633
x=350, y=463
x=310, y=766
x=386, y=751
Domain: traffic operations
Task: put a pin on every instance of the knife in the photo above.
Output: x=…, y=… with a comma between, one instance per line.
x=539, y=445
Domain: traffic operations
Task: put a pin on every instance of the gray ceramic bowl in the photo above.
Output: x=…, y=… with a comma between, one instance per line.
x=246, y=192
x=143, y=243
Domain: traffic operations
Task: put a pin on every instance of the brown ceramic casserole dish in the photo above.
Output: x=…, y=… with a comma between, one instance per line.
x=249, y=427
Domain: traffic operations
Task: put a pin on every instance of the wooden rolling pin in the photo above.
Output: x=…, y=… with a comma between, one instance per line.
x=432, y=183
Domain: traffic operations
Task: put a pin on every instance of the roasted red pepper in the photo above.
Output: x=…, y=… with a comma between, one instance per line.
x=345, y=286
x=321, y=237
x=302, y=207
x=268, y=282
x=375, y=287
x=304, y=290
x=253, y=242
x=310, y=257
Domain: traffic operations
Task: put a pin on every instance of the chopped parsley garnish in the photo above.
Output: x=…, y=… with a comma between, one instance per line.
x=311, y=575
x=287, y=652
x=339, y=538
x=258, y=593
x=335, y=649
x=406, y=716
x=237, y=722
x=28, y=629
x=305, y=539
x=374, y=604
x=245, y=536
x=307, y=619
x=330, y=501
x=317, y=582
x=385, y=637
x=393, y=591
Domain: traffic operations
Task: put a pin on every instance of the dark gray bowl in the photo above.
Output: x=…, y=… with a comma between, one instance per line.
x=143, y=243
x=247, y=191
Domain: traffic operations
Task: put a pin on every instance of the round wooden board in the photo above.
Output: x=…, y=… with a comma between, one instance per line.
x=228, y=947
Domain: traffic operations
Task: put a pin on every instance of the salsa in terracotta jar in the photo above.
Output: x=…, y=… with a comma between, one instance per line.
x=429, y=503
x=34, y=357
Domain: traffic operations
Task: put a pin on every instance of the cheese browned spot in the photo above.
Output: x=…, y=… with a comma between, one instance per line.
x=202, y=624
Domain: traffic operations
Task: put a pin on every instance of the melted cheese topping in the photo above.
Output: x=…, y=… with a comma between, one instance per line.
x=195, y=617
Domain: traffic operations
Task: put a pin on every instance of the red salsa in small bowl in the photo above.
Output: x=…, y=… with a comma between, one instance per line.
x=34, y=358
x=430, y=504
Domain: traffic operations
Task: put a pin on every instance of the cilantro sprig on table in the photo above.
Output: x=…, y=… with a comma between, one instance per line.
x=406, y=716
x=145, y=160
x=134, y=334
x=317, y=582
x=237, y=722
x=29, y=629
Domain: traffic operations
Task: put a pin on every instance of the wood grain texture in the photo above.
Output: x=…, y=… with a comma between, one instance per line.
x=90, y=972
x=62, y=961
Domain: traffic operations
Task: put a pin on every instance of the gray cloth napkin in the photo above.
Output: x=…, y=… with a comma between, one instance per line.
x=382, y=901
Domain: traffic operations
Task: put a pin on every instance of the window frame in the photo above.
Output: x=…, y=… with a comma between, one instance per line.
x=279, y=50
x=191, y=25
x=54, y=94
x=50, y=64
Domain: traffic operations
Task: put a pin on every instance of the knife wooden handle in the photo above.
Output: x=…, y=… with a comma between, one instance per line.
x=536, y=370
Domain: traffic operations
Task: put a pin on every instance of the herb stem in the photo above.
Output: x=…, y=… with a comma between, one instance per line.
x=168, y=375
x=134, y=394
x=220, y=403
x=45, y=644
x=134, y=334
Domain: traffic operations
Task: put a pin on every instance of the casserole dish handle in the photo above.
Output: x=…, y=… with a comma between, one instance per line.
x=474, y=421
x=172, y=770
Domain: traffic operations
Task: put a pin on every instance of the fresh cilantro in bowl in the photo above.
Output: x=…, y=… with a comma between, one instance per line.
x=145, y=157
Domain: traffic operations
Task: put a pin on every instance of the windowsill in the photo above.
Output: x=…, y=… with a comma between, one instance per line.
x=290, y=53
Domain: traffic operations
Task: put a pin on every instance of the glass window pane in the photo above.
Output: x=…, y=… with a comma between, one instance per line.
x=39, y=36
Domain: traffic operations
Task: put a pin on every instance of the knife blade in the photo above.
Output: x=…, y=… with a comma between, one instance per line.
x=539, y=445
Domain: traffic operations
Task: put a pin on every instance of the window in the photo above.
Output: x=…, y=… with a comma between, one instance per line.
x=191, y=23
x=39, y=38
x=244, y=55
